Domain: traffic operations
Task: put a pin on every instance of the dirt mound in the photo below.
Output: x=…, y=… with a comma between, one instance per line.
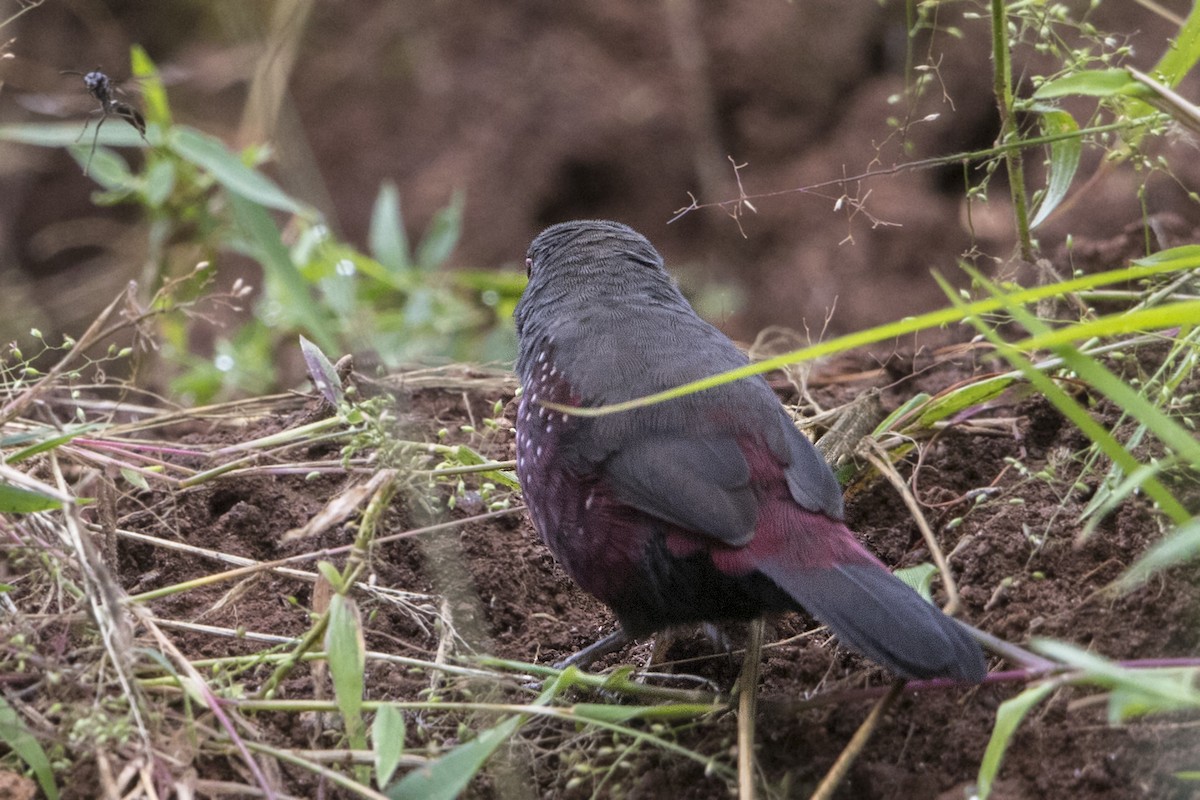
x=1002, y=497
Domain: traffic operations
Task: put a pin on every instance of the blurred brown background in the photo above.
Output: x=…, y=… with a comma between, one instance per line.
x=539, y=111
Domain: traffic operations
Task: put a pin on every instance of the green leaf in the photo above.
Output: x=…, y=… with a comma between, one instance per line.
x=14, y=734
x=955, y=399
x=323, y=373
x=347, y=662
x=1169, y=432
x=441, y=236
x=46, y=444
x=285, y=282
x=404, y=280
x=331, y=574
x=468, y=457
x=1126, y=703
x=15, y=500
x=1090, y=83
x=106, y=167
x=387, y=740
x=135, y=478
x=1008, y=718
x=604, y=712
x=211, y=155
x=1184, y=51
x=614, y=714
x=386, y=238
x=159, y=182
x=920, y=578
x=65, y=134
x=905, y=408
x=448, y=776
x=154, y=95
x=505, y=282
x=1064, y=159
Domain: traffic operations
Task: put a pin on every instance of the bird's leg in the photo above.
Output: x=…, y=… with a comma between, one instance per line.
x=665, y=639
x=590, y=654
x=718, y=637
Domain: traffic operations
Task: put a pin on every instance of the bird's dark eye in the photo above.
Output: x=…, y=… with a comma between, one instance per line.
x=529, y=268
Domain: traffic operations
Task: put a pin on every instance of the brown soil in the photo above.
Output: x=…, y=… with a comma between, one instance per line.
x=1021, y=571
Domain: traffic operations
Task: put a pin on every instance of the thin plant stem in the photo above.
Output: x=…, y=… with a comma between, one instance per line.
x=747, y=706
x=837, y=773
x=1002, y=87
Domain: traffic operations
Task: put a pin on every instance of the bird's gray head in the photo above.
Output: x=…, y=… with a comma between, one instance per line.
x=582, y=263
x=587, y=240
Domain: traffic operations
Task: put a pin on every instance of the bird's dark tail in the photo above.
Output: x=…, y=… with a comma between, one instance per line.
x=877, y=614
x=822, y=566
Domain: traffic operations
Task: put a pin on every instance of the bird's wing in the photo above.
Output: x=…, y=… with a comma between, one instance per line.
x=810, y=480
x=700, y=484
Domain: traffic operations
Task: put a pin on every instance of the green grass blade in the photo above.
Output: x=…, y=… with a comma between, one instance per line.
x=1132, y=692
x=441, y=236
x=1169, y=432
x=1008, y=718
x=1174, y=260
x=1182, y=544
x=15, y=500
x=613, y=714
x=21, y=741
x=1065, y=403
x=446, y=778
x=50, y=443
x=1163, y=317
x=960, y=398
x=1098, y=376
x=1106, y=499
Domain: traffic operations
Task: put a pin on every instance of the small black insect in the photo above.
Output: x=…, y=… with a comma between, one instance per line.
x=100, y=87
